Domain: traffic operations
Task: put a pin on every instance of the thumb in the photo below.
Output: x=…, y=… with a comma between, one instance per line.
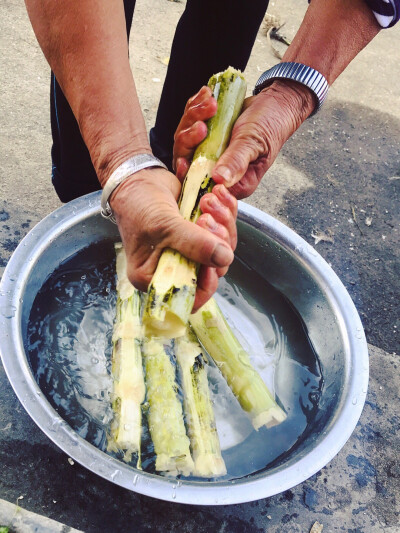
x=198, y=244
x=233, y=163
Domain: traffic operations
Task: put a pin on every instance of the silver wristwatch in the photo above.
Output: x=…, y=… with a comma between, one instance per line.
x=121, y=173
x=307, y=76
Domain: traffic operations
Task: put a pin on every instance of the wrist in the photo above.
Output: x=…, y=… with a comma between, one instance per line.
x=125, y=171
x=303, y=76
x=296, y=98
x=134, y=185
x=111, y=154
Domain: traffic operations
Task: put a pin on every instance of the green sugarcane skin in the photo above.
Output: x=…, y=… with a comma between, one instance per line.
x=229, y=89
x=199, y=414
x=234, y=363
x=165, y=416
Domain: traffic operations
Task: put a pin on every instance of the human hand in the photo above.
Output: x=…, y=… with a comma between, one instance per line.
x=148, y=219
x=266, y=122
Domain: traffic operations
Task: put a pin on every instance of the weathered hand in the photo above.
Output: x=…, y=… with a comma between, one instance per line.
x=149, y=220
x=266, y=122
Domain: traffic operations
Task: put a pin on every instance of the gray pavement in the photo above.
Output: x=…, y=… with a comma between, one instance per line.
x=337, y=178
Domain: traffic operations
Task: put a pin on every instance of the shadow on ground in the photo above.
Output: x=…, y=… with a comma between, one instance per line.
x=352, y=155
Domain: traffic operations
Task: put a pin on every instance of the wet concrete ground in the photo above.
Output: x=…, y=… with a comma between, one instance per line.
x=336, y=179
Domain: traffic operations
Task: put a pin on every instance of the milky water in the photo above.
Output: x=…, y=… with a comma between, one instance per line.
x=69, y=346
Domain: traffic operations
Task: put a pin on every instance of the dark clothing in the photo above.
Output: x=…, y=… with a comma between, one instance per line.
x=209, y=37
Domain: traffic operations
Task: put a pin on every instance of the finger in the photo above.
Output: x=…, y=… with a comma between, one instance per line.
x=202, y=107
x=201, y=111
x=182, y=167
x=198, y=97
x=233, y=163
x=187, y=140
x=197, y=243
x=207, y=284
x=140, y=272
x=244, y=148
x=250, y=181
x=221, y=271
x=227, y=198
x=220, y=215
x=208, y=222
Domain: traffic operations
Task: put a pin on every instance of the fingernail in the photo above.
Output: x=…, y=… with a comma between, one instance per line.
x=211, y=224
x=225, y=173
x=224, y=191
x=213, y=202
x=222, y=256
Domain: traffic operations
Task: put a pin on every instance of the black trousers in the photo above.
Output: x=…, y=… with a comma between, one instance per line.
x=210, y=36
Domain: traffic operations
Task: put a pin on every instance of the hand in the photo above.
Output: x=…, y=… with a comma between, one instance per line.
x=266, y=122
x=149, y=220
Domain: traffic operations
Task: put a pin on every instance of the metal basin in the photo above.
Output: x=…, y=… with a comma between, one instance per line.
x=276, y=254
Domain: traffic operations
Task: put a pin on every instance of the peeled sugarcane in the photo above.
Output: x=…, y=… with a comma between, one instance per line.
x=165, y=416
x=233, y=361
x=200, y=420
x=172, y=290
x=128, y=389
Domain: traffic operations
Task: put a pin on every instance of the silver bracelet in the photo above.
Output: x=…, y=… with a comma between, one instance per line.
x=307, y=76
x=120, y=174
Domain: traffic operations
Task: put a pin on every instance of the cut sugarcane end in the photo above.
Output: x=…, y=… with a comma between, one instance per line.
x=228, y=72
x=209, y=467
x=171, y=327
x=125, y=288
x=174, y=466
x=272, y=417
x=170, y=296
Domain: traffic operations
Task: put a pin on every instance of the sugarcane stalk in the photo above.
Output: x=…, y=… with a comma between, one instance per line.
x=165, y=416
x=172, y=290
x=234, y=363
x=127, y=372
x=199, y=413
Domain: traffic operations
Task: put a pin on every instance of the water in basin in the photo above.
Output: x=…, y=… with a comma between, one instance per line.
x=69, y=346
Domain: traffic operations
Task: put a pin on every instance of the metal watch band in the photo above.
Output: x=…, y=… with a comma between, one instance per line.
x=121, y=173
x=308, y=76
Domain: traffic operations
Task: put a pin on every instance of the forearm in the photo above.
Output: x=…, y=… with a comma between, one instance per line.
x=332, y=33
x=86, y=46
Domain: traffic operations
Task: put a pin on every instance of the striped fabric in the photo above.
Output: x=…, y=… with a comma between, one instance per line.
x=387, y=12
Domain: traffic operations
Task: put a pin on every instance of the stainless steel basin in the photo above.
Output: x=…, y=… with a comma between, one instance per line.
x=276, y=253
